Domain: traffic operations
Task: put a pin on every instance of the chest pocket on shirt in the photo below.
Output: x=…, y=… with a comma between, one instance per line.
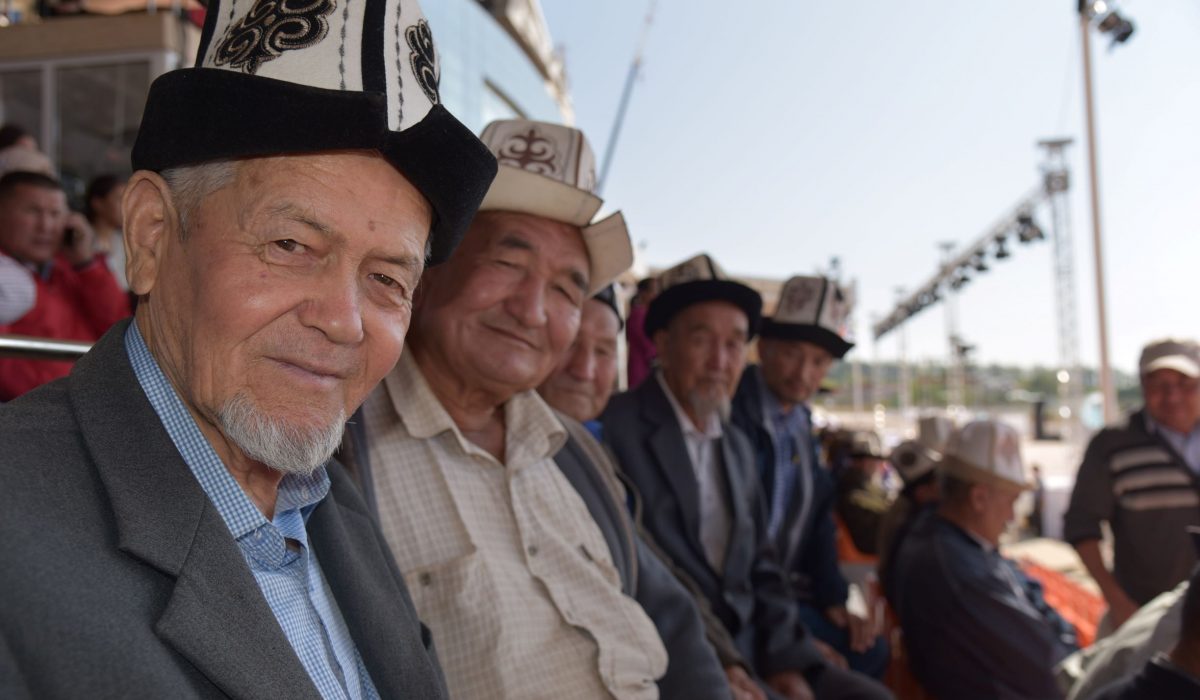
x=442, y=593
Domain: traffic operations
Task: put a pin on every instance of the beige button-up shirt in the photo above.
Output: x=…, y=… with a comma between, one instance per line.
x=504, y=562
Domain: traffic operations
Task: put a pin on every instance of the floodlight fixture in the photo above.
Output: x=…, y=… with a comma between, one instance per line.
x=1002, y=247
x=1117, y=27
x=1027, y=230
x=1112, y=22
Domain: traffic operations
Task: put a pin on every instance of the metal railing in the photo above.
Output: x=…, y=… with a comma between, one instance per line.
x=28, y=348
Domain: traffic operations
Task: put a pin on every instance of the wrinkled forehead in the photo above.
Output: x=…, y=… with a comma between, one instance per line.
x=557, y=245
x=797, y=348
x=717, y=316
x=601, y=319
x=1167, y=377
x=27, y=193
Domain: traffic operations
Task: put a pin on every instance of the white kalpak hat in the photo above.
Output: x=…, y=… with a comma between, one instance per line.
x=304, y=76
x=549, y=170
x=813, y=309
x=986, y=452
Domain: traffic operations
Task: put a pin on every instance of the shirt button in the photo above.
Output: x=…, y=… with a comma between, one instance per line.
x=532, y=549
x=426, y=579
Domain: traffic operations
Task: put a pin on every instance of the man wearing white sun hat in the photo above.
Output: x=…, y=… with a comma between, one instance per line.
x=529, y=575
x=971, y=626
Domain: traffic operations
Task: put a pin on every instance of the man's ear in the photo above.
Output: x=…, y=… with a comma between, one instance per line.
x=151, y=224
x=979, y=497
x=660, y=343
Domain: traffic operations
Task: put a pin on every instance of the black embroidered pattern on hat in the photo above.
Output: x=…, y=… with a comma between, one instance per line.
x=423, y=58
x=272, y=27
x=529, y=151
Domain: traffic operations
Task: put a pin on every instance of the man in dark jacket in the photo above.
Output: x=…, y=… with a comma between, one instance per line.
x=174, y=526
x=580, y=388
x=972, y=627
x=696, y=473
x=797, y=348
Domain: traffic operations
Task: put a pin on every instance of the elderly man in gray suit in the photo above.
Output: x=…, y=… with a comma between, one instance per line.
x=173, y=525
x=697, y=477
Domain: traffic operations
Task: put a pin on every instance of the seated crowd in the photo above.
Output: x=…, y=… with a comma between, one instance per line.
x=253, y=488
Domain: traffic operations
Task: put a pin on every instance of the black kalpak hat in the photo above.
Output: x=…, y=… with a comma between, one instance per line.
x=278, y=77
x=698, y=280
x=813, y=309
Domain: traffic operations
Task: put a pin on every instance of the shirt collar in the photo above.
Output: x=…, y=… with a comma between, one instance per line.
x=797, y=417
x=241, y=516
x=711, y=431
x=532, y=432
x=1153, y=426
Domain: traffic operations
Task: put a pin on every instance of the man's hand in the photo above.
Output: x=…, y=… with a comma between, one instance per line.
x=1120, y=607
x=742, y=685
x=830, y=654
x=79, y=251
x=791, y=685
x=861, y=630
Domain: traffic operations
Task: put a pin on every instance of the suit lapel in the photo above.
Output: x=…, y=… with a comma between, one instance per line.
x=671, y=458
x=741, y=518
x=216, y=616
x=346, y=546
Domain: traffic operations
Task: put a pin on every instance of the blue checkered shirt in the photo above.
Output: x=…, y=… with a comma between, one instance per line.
x=290, y=579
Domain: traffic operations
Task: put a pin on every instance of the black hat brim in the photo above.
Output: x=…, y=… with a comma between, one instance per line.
x=821, y=337
x=198, y=115
x=671, y=301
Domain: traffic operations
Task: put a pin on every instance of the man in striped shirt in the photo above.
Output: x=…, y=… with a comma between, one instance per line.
x=1143, y=478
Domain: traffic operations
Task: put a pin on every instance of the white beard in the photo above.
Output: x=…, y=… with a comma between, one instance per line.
x=707, y=403
x=276, y=444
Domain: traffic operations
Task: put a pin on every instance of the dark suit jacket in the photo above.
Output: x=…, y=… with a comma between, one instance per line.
x=807, y=550
x=750, y=596
x=121, y=580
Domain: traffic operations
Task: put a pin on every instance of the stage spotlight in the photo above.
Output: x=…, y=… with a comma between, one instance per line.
x=1002, y=248
x=1027, y=230
x=979, y=263
x=1116, y=26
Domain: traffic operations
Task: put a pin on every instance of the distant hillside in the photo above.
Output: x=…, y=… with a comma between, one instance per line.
x=986, y=385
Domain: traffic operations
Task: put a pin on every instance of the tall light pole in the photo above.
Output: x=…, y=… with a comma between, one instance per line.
x=1121, y=29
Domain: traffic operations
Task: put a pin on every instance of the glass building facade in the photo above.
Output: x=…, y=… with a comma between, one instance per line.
x=84, y=105
x=485, y=73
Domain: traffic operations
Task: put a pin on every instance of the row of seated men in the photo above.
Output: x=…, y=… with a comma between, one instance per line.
x=177, y=524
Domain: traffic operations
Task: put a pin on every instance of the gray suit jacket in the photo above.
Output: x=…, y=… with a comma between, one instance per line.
x=750, y=596
x=120, y=579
